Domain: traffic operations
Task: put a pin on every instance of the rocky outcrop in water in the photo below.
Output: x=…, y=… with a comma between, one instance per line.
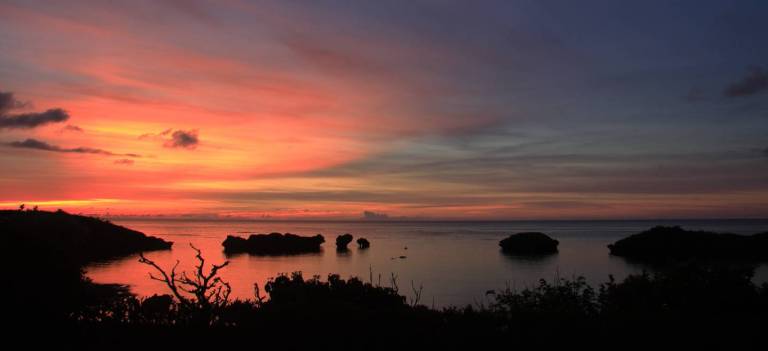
x=529, y=243
x=342, y=241
x=664, y=243
x=363, y=243
x=273, y=244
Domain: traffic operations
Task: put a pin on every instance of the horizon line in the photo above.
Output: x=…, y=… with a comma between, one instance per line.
x=397, y=219
x=424, y=220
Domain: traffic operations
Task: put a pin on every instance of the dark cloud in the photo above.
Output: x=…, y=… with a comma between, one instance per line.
x=26, y=120
x=187, y=139
x=183, y=139
x=43, y=146
x=72, y=128
x=33, y=119
x=754, y=82
x=558, y=205
x=374, y=215
x=9, y=102
x=124, y=161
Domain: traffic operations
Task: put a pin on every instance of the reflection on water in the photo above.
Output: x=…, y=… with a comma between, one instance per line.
x=456, y=262
x=530, y=260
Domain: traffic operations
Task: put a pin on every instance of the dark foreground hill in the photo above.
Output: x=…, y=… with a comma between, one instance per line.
x=43, y=255
x=80, y=238
x=671, y=243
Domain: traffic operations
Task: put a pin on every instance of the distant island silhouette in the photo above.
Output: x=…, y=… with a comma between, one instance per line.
x=665, y=243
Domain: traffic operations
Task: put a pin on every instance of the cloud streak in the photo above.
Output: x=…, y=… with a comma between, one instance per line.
x=370, y=215
x=43, y=146
x=124, y=161
x=33, y=119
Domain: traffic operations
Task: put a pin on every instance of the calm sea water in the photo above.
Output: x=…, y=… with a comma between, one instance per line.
x=454, y=262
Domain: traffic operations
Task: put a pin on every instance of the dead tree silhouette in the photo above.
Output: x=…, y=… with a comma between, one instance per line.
x=209, y=291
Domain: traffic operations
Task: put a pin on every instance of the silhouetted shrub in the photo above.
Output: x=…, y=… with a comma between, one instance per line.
x=294, y=290
x=157, y=306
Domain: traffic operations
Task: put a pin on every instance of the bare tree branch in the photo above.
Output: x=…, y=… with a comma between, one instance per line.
x=209, y=290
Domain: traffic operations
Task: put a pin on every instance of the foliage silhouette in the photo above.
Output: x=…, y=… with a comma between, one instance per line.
x=682, y=305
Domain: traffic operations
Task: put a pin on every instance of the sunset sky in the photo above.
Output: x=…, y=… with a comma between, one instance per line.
x=416, y=109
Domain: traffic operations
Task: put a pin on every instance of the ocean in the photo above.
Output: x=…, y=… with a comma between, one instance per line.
x=453, y=263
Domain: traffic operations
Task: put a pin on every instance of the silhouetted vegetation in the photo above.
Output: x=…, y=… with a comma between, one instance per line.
x=273, y=244
x=685, y=305
x=529, y=243
x=363, y=243
x=342, y=241
x=675, y=243
x=712, y=305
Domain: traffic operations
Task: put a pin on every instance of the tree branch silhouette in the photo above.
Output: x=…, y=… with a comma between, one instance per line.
x=208, y=289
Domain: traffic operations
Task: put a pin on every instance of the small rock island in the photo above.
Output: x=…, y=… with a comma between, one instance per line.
x=529, y=243
x=273, y=244
x=342, y=241
x=675, y=243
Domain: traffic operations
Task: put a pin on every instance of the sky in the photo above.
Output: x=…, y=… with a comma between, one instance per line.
x=386, y=109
